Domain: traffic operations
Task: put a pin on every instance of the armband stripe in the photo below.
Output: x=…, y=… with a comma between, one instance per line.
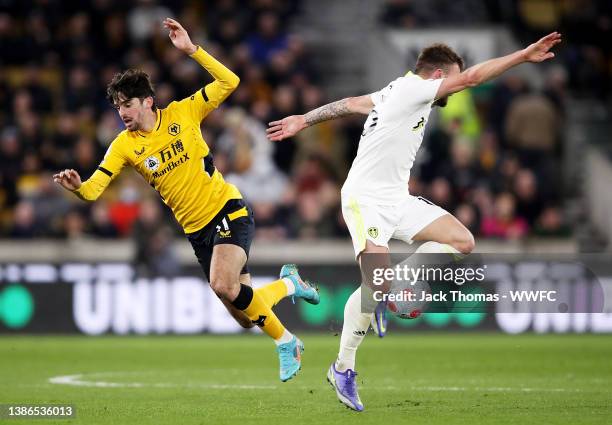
x=105, y=171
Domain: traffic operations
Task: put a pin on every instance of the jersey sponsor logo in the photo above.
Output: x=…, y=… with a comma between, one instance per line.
x=174, y=129
x=171, y=151
x=171, y=166
x=152, y=163
x=420, y=124
x=373, y=232
x=140, y=152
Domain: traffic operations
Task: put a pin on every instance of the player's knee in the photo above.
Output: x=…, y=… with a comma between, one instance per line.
x=464, y=241
x=245, y=322
x=223, y=288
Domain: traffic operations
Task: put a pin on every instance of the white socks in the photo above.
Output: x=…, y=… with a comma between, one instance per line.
x=290, y=286
x=355, y=327
x=356, y=323
x=285, y=338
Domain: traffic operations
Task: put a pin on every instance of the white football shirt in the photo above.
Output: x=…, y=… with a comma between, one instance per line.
x=391, y=137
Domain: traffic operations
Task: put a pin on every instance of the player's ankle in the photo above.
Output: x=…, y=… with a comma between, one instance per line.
x=290, y=286
x=284, y=338
x=343, y=365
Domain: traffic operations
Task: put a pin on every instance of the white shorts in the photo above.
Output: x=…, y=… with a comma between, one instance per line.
x=380, y=223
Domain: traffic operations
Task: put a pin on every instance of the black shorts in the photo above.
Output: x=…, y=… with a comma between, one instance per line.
x=234, y=224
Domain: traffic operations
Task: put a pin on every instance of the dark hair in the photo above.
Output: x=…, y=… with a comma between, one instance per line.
x=131, y=83
x=437, y=56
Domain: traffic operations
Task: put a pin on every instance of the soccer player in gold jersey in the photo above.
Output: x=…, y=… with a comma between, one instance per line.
x=166, y=147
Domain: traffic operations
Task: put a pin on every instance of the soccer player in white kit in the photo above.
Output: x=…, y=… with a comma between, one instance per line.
x=376, y=204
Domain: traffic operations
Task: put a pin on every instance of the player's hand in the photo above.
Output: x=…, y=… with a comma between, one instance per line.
x=179, y=36
x=287, y=127
x=539, y=51
x=68, y=179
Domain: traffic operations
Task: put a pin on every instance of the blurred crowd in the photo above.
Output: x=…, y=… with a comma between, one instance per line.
x=586, y=25
x=495, y=160
x=492, y=159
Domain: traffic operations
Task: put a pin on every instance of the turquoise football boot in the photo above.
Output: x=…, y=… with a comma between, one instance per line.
x=304, y=290
x=290, y=357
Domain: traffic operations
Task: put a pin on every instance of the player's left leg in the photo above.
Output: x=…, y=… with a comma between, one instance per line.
x=231, y=245
x=227, y=261
x=445, y=234
x=239, y=315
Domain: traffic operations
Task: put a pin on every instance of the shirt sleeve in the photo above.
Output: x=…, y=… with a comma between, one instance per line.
x=415, y=91
x=109, y=168
x=406, y=95
x=376, y=97
x=383, y=94
x=202, y=102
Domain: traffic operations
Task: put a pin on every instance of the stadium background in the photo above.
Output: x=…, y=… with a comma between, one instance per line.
x=521, y=161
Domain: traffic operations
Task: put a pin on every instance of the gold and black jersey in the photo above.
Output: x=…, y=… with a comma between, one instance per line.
x=173, y=157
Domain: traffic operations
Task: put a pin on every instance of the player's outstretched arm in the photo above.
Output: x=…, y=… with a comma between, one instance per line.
x=90, y=190
x=290, y=126
x=69, y=179
x=485, y=71
x=179, y=36
x=225, y=80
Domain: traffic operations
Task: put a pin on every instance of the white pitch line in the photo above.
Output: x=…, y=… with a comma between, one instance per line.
x=496, y=389
x=80, y=380
x=76, y=380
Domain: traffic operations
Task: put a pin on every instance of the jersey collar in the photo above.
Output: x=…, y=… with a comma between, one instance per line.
x=410, y=73
x=155, y=127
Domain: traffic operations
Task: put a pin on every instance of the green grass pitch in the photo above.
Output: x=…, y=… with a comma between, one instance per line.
x=405, y=378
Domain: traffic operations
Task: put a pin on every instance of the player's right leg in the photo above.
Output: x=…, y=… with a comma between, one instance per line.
x=375, y=224
x=370, y=230
x=289, y=284
x=357, y=317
